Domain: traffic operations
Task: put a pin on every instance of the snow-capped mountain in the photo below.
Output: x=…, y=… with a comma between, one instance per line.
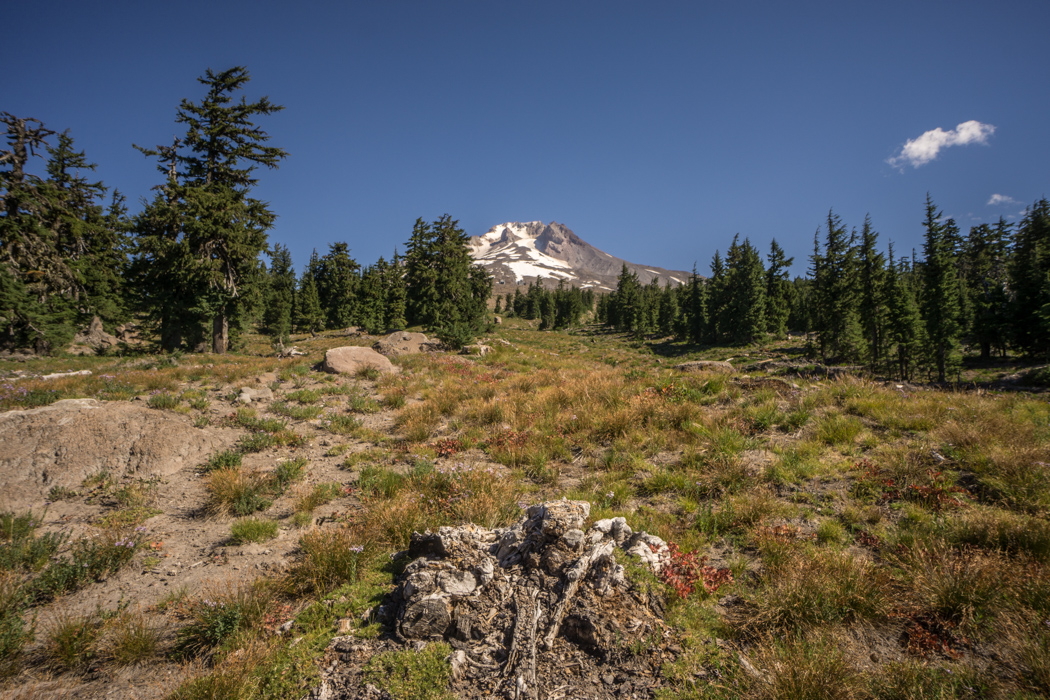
x=520, y=252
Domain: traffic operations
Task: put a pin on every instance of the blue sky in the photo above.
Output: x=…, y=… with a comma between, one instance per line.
x=655, y=130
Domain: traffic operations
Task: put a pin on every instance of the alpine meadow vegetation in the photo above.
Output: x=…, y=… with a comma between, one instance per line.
x=851, y=465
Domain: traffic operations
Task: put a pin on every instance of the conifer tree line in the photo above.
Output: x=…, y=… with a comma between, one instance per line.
x=191, y=261
x=986, y=292
x=556, y=309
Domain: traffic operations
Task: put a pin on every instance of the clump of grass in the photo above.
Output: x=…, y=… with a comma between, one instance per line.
x=266, y=432
x=20, y=548
x=296, y=412
x=1000, y=530
x=13, y=632
x=140, y=493
x=430, y=497
x=909, y=679
x=236, y=491
x=821, y=587
x=303, y=396
x=413, y=675
x=131, y=639
x=961, y=586
x=377, y=482
x=341, y=424
x=736, y=513
x=92, y=559
x=368, y=373
x=61, y=493
x=806, y=667
x=163, y=400
x=287, y=472
x=359, y=402
x=836, y=429
x=831, y=531
x=316, y=496
x=227, y=459
x=328, y=558
x=418, y=422
x=355, y=458
x=253, y=530
x=71, y=641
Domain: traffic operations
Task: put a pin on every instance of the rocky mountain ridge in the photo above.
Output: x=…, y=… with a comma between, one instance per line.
x=520, y=253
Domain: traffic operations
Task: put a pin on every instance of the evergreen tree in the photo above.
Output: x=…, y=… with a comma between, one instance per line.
x=904, y=331
x=872, y=303
x=668, y=310
x=778, y=290
x=696, y=312
x=719, y=323
x=744, y=313
x=337, y=279
x=394, y=284
x=308, y=314
x=277, y=311
x=445, y=289
x=986, y=253
x=39, y=285
x=836, y=318
x=627, y=306
x=1029, y=282
x=205, y=232
x=371, y=294
x=940, y=299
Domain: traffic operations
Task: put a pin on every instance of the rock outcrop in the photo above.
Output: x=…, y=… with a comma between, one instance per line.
x=531, y=609
x=405, y=343
x=67, y=441
x=92, y=340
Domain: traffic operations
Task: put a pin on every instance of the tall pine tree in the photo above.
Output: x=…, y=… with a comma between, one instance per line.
x=940, y=301
x=213, y=230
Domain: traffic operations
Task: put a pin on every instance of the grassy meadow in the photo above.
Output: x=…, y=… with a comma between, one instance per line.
x=885, y=541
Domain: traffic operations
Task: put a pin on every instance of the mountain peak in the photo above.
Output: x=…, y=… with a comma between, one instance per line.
x=518, y=253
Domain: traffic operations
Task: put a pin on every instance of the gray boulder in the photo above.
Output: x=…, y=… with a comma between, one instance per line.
x=353, y=359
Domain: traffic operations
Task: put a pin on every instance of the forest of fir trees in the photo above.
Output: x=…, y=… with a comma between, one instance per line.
x=986, y=293
x=194, y=267
x=190, y=267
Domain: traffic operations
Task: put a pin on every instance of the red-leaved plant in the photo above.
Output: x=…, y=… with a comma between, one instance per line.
x=686, y=573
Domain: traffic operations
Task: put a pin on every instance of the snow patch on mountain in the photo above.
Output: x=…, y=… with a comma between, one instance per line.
x=516, y=253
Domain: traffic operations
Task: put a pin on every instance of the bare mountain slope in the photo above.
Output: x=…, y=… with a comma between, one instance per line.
x=521, y=252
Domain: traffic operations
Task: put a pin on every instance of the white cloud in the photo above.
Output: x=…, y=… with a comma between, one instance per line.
x=1001, y=200
x=925, y=148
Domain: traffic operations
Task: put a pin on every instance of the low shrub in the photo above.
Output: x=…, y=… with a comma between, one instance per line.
x=219, y=615
x=227, y=459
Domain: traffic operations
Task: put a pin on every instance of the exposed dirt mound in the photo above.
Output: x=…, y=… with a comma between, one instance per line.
x=62, y=444
x=541, y=609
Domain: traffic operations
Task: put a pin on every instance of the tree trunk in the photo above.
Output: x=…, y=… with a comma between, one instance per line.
x=220, y=333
